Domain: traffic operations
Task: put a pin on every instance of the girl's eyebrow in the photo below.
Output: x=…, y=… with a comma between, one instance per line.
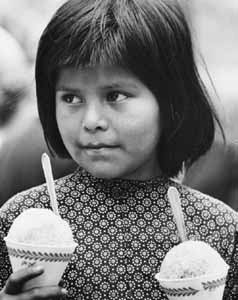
x=63, y=88
x=120, y=84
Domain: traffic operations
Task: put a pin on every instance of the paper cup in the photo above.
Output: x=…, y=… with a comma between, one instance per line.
x=207, y=287
x=53, y=259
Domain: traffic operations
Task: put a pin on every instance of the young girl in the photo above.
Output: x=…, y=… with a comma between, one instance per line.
x=118, y=91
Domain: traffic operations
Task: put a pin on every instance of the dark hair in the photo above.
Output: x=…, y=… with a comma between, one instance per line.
x=152, y=39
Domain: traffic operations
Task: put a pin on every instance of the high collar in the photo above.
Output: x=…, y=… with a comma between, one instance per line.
x=82, y=175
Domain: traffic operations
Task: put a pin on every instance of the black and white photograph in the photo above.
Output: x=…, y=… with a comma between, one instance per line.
x=119, y=150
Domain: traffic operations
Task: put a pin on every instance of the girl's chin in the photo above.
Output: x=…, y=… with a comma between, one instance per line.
x=104, y=171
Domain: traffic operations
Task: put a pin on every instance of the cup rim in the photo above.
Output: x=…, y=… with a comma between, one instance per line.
x=14, y=244
x=218, y=274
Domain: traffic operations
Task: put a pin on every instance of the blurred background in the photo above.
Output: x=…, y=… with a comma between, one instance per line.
x=214, y=26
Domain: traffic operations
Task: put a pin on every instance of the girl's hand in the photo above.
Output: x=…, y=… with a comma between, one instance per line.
x=14, y=285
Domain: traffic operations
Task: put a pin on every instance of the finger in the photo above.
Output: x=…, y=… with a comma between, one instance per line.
x=16, y=280
x=40, y=293
x=61, y=283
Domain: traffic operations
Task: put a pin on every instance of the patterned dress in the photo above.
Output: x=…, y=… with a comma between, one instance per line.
x=123, y=229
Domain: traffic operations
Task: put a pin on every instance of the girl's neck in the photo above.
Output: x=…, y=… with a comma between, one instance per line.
x=157, y=177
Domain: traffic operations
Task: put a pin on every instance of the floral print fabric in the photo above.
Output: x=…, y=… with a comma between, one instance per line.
x=123, y=229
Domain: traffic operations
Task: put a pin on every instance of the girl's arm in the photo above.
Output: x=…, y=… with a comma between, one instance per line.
x=5, y=265
x=231, y=289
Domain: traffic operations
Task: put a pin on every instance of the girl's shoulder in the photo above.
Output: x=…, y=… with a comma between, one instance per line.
x=209, y=219
x=33, y=197
x=208, y=206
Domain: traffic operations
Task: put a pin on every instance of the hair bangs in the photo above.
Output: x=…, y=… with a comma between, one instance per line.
x=103, y=51
x=109, y=33
x=101, y=40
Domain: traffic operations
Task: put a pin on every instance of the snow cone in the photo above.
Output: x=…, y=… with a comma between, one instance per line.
x=193, y=270
x=40, y=237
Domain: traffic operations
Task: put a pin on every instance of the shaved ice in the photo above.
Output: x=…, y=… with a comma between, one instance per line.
x=40, y=226
x=191, y=259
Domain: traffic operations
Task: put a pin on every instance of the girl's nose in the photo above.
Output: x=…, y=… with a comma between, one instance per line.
x=94, y=118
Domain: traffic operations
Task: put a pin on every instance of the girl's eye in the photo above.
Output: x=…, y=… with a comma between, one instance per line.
x=116, y=96
x=71, y=99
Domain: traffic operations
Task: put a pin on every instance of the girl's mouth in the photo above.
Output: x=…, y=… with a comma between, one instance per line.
x=98, y=146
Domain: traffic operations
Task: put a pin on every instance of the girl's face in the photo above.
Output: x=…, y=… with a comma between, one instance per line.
x=109, y=122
